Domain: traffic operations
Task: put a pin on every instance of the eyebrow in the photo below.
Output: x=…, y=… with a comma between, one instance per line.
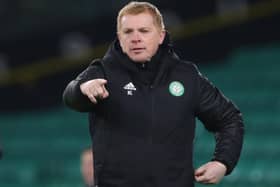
x=141, y=28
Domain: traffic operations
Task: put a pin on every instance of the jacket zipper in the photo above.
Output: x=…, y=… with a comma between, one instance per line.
x=152, y=113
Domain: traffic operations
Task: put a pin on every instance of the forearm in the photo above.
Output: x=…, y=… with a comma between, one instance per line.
x=229, y=140
x=73, y=98
x=223, y=118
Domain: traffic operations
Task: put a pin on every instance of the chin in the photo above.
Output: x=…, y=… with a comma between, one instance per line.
x=140, y=59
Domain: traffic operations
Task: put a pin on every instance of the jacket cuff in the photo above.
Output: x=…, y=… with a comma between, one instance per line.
x=226, y=163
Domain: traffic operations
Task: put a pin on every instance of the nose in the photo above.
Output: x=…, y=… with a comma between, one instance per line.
x=136, y=38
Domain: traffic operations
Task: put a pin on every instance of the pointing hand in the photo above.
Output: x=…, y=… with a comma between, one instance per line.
x=95, y=89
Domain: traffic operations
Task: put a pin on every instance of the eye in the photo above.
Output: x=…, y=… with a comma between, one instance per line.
x=144, y=30
x=127, y=31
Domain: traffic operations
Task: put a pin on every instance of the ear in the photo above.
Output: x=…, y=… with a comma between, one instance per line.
x=121, y=42
x=162, y=36
x=119, y=38
x=118, y=35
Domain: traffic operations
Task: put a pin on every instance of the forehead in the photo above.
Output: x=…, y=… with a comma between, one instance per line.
x=136, y=21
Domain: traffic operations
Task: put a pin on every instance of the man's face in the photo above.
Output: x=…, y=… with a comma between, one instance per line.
x=139, y=37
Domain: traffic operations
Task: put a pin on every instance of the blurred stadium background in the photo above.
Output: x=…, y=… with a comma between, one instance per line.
x=45, y=43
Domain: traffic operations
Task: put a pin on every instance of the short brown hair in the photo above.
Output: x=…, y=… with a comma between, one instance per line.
x=135, y=7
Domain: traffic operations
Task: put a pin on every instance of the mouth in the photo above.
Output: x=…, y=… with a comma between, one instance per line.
x=138, y=49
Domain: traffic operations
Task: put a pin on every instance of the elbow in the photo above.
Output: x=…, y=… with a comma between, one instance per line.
x=69, y=97
x=66, y=98
x=72, y=103
x=74, y=99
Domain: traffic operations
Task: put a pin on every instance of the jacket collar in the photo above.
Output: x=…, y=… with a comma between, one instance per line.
x=163, y=60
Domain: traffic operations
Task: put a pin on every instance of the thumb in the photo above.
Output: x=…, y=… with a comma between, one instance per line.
x=200, y=171
x=200, y=174
x=101, y=81
x=105, y=92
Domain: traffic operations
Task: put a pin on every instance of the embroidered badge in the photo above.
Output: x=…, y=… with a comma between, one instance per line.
x=176, y=88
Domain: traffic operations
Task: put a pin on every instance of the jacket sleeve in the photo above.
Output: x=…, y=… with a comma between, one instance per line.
x=72, y=95
x=220, y=116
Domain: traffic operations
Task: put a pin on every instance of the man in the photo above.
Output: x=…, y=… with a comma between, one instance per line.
x=145, y=100
x=87, y=167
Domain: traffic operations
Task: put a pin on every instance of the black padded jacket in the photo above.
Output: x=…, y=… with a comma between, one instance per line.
x=143, y=132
